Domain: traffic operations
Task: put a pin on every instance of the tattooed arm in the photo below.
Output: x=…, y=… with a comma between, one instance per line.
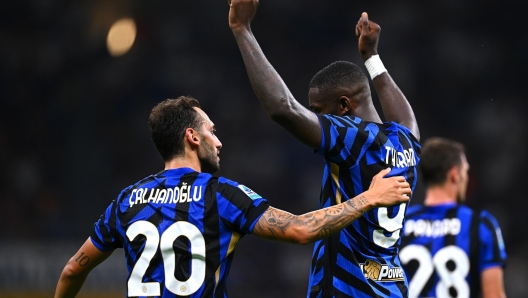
x=277, y=224
x=77, y=269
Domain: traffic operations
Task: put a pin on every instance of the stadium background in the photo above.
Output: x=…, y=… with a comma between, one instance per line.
x=73, y=119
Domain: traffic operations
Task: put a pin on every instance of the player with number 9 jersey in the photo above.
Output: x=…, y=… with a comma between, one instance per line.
x=362, y=259
x=179, y=229
x=446, y=247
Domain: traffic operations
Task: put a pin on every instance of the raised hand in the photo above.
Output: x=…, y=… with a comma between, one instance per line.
x=241, y=13
x=386, y=192
x=368, y=34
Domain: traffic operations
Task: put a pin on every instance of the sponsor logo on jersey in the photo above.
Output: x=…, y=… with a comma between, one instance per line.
x=432, y=228
x=400, y=159
x=250, y=193
x=379, y=272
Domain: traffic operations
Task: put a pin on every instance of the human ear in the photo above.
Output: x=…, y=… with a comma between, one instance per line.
x=191, y=136
x=344, y=104
x=454, y=174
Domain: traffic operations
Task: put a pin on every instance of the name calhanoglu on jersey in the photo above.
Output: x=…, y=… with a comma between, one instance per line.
x=380, y=272
x=178, y=194
x=432, y=228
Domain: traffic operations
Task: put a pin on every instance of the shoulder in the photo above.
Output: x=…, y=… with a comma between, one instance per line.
x=393, y=126
x=488, y=219
x=228, y=187
x=340, y=121
x=129, y=189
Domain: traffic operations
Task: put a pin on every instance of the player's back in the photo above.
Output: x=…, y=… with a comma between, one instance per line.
x=178, y=229
x=362, y=259
x=442, y=251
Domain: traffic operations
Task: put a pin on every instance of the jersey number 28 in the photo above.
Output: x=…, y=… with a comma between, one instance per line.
x=180, y=228
x=428, y=264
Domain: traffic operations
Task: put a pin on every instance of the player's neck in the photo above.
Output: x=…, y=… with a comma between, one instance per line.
x=187, y=161
x=367, y=114
x=439, y=195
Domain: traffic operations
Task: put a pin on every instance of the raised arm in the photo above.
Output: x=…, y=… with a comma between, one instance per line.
x=393, y=102
x=303, y=229
x=269, y=87
x=77, y=269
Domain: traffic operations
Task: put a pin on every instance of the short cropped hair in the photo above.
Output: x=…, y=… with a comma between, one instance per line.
x=338, y=74
x=168, y=121
x=438, y=156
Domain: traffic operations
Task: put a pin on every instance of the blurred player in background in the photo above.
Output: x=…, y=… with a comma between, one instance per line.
x=448, y=249
x=344, y=127
x=179, y=228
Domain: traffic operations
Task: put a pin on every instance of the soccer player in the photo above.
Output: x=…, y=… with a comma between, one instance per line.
x=179, y=227
x=448, y=249
x=362, y=259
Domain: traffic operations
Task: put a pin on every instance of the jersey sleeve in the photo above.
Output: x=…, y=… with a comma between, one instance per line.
x=492, y=250
x=104, y=234
x=239, y=206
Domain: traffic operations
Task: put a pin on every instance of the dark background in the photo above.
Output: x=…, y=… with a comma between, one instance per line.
x=73, y=119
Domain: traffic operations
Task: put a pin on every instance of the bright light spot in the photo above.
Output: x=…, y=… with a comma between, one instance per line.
x=121, y=37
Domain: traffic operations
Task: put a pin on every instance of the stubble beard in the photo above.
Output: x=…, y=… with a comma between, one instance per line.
x=209, y=159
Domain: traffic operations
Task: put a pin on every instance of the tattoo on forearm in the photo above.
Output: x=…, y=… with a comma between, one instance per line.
x=82, y=260
x=320, y=223
x=357, y=202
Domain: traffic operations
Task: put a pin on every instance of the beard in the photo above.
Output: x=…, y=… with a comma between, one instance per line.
x=461, y=197
x=208, y=158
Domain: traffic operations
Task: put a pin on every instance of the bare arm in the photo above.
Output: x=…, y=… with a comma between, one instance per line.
x=393, y=102
x=492, y=283
x=280, y=225
x=269, y=87
x=77, y=269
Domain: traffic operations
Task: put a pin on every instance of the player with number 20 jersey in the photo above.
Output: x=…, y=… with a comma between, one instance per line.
x=362, y=259
x=193, y=218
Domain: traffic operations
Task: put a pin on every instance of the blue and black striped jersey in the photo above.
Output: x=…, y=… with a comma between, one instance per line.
x=179, y=229
x=362, y=259
x=446, y=247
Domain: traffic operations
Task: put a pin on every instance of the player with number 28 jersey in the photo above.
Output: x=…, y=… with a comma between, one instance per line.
x=442, y=243
x=178, y=221
x=449, y=249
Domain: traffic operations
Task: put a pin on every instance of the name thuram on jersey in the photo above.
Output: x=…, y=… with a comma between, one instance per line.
x=400, y=159
x=381, y=273
x=181, y=194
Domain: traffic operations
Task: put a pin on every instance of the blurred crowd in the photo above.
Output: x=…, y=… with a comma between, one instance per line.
x=73, y=119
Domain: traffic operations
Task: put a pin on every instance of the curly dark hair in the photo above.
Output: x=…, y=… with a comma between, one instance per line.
x=338, y=74
x=168, y=121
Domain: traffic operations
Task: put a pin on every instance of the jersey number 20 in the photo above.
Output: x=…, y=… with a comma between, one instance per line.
x=428, y=264
x=180, y=228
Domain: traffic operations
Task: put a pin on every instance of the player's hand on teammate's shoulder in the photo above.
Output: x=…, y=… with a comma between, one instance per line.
x=241, y=13
x=368, y=33
x=385, y=192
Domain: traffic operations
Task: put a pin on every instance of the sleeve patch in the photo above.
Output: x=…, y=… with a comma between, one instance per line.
x=250, y=193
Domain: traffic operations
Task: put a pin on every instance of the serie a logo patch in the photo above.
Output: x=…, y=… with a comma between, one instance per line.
x=380, y=272
x=250, y=193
